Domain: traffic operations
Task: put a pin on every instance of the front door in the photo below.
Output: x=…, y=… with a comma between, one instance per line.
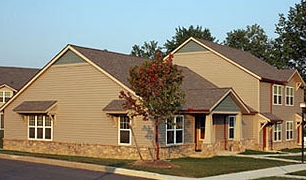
x=199, y=131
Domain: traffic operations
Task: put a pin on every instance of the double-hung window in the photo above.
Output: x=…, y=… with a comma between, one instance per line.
x=289, y=130
x=231, y=127
x=175, y=130
x=40, y=127
x=277, y=132
x=289, y=96
x=277, y=94
x=5, y=96
x=125, y=133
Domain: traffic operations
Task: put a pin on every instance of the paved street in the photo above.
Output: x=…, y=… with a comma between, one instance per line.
x=20, y=170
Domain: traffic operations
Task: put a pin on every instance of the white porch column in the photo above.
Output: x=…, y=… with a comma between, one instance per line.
x=209, y=137
x=238, y=127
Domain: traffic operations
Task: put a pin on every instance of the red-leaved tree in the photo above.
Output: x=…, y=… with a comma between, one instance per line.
x=156, y=84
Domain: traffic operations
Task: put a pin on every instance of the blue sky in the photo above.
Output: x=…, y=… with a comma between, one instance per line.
x=32, y=32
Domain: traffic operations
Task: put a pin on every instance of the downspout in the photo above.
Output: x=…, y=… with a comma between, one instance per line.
x=271, y=106
x=271, y=97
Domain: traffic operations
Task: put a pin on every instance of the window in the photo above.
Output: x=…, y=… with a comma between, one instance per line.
x=175, y=130
x=231, y=127
x=289, y=96
x=5, y=96
x=40, y=127
x=277, y=95
x=289, y=130
x=1, y=121
x=124, y=130
x=277, y=132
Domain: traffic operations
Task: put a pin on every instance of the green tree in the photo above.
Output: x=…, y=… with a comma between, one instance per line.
x=182, y=34
x=148, y=50
x=157, y=86
x=252, y=39
x=290, y=45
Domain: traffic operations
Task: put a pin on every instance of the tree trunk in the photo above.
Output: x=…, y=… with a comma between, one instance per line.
x=156, y=141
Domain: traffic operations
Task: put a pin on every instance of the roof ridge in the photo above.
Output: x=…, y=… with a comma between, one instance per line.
x=238, y=50
x=247, y=61
x=15, y=67
x=107, y=51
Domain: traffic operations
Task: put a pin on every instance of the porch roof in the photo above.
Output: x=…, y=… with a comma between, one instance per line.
x=115, y=105
x=203, y=99
x=272, y=118
x=35, y=106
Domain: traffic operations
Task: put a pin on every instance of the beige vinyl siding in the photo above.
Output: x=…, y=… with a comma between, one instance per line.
x=219, y=127
x=222, y=73
x=287, y=113
x=144, y=132
x=81, y=92
x=249, y=127
x=265, y=97
x=189, y=129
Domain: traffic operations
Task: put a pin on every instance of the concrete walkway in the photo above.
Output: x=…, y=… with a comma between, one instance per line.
x=280, y=171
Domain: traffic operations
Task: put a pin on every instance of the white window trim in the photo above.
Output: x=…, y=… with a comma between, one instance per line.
x=129, y=130
x=286, y=95
x=44, y=128
x=289, y=130
x=175, y=130
x=3, y=96
x=1, y=121
x=280, y=130
x=278, y=94
x=230, y=127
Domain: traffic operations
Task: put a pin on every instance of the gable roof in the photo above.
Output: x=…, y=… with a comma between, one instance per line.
x=116, y=64
x=245, y=61
x=200, y=93
x=16, y=77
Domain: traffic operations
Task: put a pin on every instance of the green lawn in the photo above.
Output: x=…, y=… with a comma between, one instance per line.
x=277, y=178
x=293, y=150
x=253, y=152
x=188, y=167
x=299, y=173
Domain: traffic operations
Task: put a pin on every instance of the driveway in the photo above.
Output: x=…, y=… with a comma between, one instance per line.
x=20, y=170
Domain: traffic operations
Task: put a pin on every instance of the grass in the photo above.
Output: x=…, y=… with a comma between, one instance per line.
x=299, y=173
x=297, y=158
x=253, y=152
x=197, y=167
x=277, y=178
x=293, y=150
x=188, y=167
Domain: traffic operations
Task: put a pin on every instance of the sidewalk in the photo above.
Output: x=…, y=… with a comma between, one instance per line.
x=280, y=171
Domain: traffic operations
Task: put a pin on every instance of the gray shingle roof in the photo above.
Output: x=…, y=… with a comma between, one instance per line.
x=201, y=94
x=16, y=77
x=203, y=99
x=118, y=65
x=250, y=62
x=115, y=105
x=273, y=118
x=34, y=106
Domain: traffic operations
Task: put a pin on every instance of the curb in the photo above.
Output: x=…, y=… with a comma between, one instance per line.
x=86, y=166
